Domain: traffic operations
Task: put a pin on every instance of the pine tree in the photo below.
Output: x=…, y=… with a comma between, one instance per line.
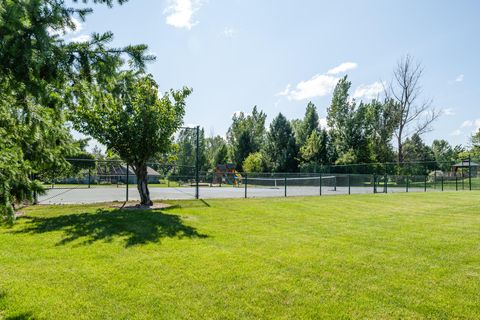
x=281, y=148
x=308, y=125
x=41, y=75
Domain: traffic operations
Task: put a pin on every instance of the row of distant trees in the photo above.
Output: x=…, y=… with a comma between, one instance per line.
x=386, y=129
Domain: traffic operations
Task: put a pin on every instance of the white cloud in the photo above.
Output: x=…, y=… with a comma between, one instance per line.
x=459, y=78
x=318, y=86
x=81, y=38
x=285, y=92
x=229, y=32
x=473, y=125
x=457, y=132
x=368, y=91
x=180, y=13
x=449, y=112
x=344, y=67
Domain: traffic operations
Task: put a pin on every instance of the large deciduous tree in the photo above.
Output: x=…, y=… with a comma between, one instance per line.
x=475, y=142
x=246, y=135
x=382, y=119
x=415, y=116
x=307, y=125
x=347, y=123
x=444, y=154
x=316, y=151
x=216, y=151
x=255, y=162
x=130, y=119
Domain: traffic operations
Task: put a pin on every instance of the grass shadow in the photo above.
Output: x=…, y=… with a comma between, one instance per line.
x=18, y=316
x=138, y=227
x=21, y=316
x=205, y=203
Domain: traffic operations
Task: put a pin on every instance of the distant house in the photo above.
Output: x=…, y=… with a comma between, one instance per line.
x=464, y=166
x=115, y=173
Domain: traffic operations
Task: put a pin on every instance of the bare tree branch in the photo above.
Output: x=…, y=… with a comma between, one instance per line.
x=413, y=117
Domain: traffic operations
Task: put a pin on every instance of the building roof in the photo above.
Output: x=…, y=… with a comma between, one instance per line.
x=466, y=164
x=121, y=170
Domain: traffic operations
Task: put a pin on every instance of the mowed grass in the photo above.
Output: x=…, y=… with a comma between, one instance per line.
x=361, y=256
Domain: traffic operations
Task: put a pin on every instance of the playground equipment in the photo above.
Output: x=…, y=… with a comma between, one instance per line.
x=226, y=173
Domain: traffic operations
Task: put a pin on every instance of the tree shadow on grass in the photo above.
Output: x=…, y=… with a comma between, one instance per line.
x=138, y=227
x=17, y=316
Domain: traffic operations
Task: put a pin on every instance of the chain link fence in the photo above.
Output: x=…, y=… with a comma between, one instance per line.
x=88, y=181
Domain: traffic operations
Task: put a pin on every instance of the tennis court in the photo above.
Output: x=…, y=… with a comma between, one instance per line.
x=251, y=188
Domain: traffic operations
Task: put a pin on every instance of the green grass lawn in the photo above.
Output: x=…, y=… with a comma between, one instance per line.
x=361, y=256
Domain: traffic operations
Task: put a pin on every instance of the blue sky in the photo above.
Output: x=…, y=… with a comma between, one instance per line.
x=281, y=54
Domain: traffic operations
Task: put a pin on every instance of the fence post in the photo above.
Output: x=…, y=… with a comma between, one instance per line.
x=126, y=192
x=246, y=184
x=197, y=163
x=285, y=186
x=442, y=183
x=335, y=183
x=385, y=182
x=89, y=177
x=35, y=194
x=456, y=183
x=53, y=178
x=425, y=184
x=435, y=179
x=320, y=184
x=348, y=184
x=407, y=183
x=470, y=172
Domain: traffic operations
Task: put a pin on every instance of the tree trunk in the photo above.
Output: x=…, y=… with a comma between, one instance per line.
x=400, y=148
x=142, y=185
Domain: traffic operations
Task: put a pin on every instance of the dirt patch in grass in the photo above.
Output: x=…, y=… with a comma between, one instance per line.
x=137, y=206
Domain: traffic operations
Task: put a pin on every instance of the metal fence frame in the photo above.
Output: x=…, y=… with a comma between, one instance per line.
x=389, y=178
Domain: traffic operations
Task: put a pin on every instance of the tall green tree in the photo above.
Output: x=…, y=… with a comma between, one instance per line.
x=419, y=156
x=280, y=147
x=443, y=153
x=130, y=119
x=346, y=121
x=246, y=135
x=316, y=151
x=39, y=77
x=381, y=118
x=475, y=142
x=255, y=162
x=309, y=124
x=216, y=151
